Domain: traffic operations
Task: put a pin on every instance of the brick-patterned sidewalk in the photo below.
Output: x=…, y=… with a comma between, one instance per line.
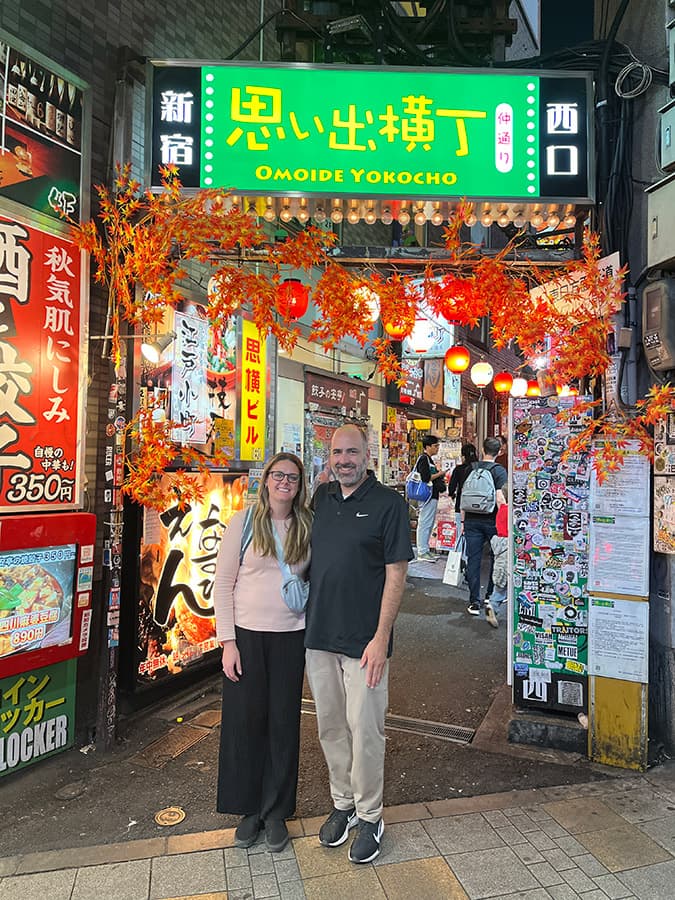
x=603, y=840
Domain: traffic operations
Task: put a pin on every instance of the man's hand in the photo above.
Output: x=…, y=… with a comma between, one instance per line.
x=375, y=658
x=231, y=660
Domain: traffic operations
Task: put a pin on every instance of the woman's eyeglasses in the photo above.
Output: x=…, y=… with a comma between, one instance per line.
x=279, y=476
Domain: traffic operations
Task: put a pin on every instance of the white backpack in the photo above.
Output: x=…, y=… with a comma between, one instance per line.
x=478, y=491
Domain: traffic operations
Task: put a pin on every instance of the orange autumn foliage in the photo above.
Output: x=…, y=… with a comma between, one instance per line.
x=147, y=239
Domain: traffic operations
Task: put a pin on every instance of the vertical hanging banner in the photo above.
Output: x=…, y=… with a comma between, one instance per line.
x=189, y=395
x=253, y=380
x=43, y=365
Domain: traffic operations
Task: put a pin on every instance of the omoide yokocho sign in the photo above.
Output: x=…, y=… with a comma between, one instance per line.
x=357, y=132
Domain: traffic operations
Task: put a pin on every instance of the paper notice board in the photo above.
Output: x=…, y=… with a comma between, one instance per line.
x=618, y=639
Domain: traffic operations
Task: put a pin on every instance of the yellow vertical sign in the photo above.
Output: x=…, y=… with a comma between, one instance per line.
x=253, y=393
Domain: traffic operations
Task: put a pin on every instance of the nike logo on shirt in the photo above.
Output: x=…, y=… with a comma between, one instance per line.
x=362, y=515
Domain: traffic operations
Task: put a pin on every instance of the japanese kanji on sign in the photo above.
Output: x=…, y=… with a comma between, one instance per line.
x=42, y=366
x=375, y=132
x=37, y=715
x=253, y=407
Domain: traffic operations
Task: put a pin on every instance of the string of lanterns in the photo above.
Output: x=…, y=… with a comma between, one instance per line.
x=293, y=303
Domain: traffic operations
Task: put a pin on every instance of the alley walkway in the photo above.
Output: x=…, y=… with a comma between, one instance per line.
x=613, y=839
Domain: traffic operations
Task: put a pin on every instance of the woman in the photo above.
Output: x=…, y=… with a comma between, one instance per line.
x=459, y=475
x=263, y=657
x=426, y=515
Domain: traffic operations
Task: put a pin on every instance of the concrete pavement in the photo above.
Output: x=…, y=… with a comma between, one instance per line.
x=612, y=839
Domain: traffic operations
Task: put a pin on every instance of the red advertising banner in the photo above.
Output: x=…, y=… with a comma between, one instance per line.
x=176, y=627
x=42, y=369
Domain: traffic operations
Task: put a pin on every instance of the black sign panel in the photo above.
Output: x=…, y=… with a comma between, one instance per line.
x=176, y=122
x=564, y=139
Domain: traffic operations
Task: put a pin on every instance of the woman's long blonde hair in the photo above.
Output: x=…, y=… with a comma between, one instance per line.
x=296, y=545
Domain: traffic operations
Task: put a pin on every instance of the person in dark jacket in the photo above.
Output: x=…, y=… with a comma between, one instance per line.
x=430, y=474
x=459, y=475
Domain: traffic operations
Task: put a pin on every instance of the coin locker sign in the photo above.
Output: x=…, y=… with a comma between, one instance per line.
x=375, y=132
x=37, y=715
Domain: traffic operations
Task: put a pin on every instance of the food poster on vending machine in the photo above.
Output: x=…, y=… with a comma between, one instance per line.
x=550, y=521
x=175, y=625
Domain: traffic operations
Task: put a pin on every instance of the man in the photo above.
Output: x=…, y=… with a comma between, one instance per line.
x=426, y=514
x=360, y=552
x=479, y=529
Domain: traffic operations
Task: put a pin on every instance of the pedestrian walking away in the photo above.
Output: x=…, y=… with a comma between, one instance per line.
x=481, y=497
x=429, y=474
x=360, y=553
x=459, y=475
x=500, y=569
x=263, y=654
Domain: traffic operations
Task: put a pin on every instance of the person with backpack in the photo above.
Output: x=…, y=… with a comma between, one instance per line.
x=263, y=659
x=459, y=475
x=426, y=516
x=481, y=497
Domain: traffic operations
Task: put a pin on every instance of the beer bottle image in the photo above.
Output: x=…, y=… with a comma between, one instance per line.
x=32, y=89
x=13, y=84
x=22, y=90
x=73, y=117
x=51, y=102
x=61, y=109
x=41, y=101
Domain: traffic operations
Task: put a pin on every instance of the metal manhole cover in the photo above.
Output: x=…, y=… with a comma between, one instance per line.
x=174, y=742
x=172, y=815
x=208, y=719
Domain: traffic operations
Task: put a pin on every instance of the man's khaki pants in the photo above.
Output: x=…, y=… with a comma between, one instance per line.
x=350, y=717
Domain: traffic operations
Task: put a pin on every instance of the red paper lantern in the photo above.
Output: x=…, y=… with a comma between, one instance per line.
x=398, y=330
x=503, y=382
x=292, y=298
x=457, y=359
x=533, y=389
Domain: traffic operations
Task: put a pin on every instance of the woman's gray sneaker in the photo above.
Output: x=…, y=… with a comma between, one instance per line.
x=335, y=830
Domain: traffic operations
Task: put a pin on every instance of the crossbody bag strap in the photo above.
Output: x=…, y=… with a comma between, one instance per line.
x=246, y=533
x=281, y=559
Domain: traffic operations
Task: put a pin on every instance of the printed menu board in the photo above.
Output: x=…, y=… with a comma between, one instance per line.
x=36, y=597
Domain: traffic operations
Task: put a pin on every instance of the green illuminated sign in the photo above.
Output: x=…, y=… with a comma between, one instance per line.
x=374, y=132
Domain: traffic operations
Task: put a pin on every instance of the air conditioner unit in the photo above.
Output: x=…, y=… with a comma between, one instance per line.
x=658, y=324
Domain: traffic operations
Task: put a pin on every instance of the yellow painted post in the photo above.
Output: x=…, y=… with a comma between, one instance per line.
x=618, y=708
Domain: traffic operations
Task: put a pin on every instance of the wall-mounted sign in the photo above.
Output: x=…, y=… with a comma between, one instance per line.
x=38, y=715
x=253, y=407
x=360, y=131
x=43, y=118
x=336, y=395
x=42, y=315
x=179, y=549
x=189, y=395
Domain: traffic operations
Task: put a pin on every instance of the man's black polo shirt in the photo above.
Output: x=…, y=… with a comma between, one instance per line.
x=352, y=541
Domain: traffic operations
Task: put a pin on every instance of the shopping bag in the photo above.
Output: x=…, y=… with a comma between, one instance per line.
x=417, y=490
x=453, y=568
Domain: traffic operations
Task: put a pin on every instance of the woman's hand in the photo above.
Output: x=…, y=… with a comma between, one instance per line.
x=231, y=660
